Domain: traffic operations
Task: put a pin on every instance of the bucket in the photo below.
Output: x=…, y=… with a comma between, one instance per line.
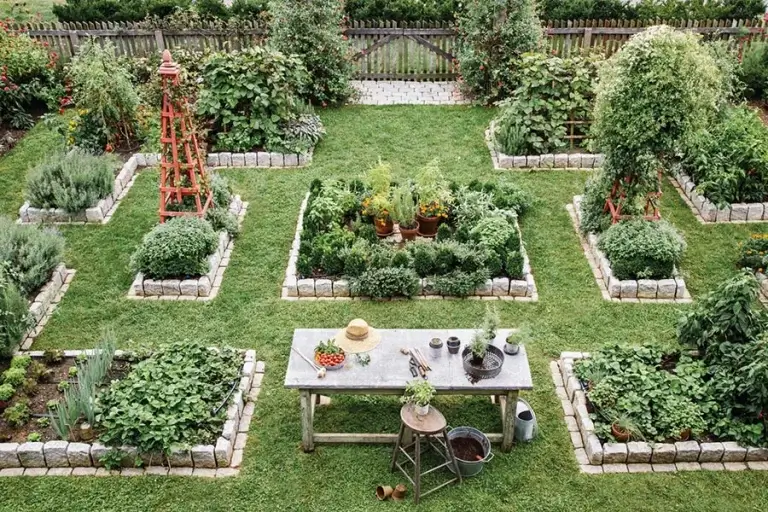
x=471, y=468
x=526, y=426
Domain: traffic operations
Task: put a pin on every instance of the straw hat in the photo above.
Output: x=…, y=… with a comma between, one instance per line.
x=358, y=337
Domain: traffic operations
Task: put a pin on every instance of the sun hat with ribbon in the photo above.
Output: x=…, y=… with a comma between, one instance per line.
x=358, y=337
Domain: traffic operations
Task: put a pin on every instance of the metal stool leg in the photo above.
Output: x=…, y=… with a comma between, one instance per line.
x=417, y=470
x=398, y=444
x=451, y=455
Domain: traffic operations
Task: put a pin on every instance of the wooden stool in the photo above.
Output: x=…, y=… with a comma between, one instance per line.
x=433, y=428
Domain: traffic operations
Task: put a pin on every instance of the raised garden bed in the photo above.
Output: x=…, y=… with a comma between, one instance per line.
x=707, y=212
x=42, y=306
x=54, y=457
x=295, y=288
x=260, y=159
x=595, y=457
x=202, y=288
x=672, y=290
x=572, y=161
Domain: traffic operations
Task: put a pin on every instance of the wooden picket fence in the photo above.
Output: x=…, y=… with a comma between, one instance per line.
x=381, y=49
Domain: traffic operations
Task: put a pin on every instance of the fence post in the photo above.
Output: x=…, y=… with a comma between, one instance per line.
x=159, y=41
x=74, y=41
x=587, y=44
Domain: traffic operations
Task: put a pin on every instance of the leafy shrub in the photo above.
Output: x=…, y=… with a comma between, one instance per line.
x=403, y=10
x=459, y=283
x=753, y=253
x=493, y=232
x=506, y=195
x=327, y=250
x=640, y=249
x=22, y=362
x=386, y=282
x=116, y=10
x=312, y=31
x=221, y=190
x=649, y=9
x=74, y=181
x=470, y=206
x=492, y=36
x=356, y=257
x=221, y=219
x=754, y=70
x=551, y=91
x=18, y=414
x=6, y=392
x=247, y=94
x=14, y=316
x=301, y=134
x=585, y=10
x=172, y=398
x=31, y=254
x=729, y=160
x=14, y=376
x=177, y=248
x=423, y=258
x=27, y=76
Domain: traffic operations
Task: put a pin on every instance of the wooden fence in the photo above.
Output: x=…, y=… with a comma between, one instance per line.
x=382, y=49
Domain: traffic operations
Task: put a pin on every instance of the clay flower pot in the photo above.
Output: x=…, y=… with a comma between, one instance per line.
x=399, y=493
x=409, y=234
x=685, y=435
x=383, y=492
x=428, y=225
x=620, y=434
x=383, y=227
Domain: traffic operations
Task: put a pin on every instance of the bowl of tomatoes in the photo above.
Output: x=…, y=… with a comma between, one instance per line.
x=329, y=355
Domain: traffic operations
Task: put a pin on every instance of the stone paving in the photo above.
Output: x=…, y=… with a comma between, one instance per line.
x=399, y=92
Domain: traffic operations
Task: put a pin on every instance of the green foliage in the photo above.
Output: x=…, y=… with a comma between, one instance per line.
x=43, y=422
x=551, y=91
x=493, y=232
x=470, y=206
x=14, y=376
x=403, y=10
x=506, y=195
x=31, y=253
x=386, y=282
x=6, y=392
x=485, y=334
x=176, y=397
x=53, y=356
x=327, y=250
x=247, y=94
x=356, y=257
x=459, y=283
x=753, y=253
x=650, y=9
x=14, y=316
x=221, y=219
x=728, y=161
x=103, y=89
x=313, y=32
x=404, y=207
x=754, y=70
x=112, y=459
x=73, y=181
x=18, y=414
x=34, y=437
x=432, y=190
x=22, y=362
x=221, y=190
x=300, y=135
x=418, y=392
x=492, y=36
x=177, y=248
x=641, y=249
x=585, y=10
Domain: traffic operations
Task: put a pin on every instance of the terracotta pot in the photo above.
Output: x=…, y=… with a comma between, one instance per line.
x=86, y=432
x=383, y=227
x=685, y=435
x=409, y=234
x=383, y=492
x=621, y=436
x=399, y=493
x=428, y=225
x=4, y=404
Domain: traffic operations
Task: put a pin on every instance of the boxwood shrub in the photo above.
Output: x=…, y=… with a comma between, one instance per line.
x=30, y=254
x=641, y=249
x=176, y=249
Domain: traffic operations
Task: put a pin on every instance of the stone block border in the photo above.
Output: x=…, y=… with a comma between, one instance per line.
x=104, y=209
x=706, y=212
x=46, y=300
x=595, y=457
x=500, y=288
x=203, y=288
x=260, y=159
x=222, y=459
x=660, y=291
x=561, y=161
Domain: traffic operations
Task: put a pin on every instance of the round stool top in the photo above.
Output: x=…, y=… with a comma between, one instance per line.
x=432, y=423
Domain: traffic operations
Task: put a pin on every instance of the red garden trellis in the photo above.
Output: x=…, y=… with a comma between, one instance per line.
x=616, y=200
x=181, y=175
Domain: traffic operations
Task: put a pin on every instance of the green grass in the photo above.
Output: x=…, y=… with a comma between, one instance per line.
x=276, y=475
x=28, y=11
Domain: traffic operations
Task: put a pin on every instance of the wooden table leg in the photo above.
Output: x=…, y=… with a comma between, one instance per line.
x=307, y=420
x=509, y=415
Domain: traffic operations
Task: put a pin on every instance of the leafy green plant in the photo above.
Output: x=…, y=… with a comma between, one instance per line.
x=300, y=135
x=640, y=249
x=32, y=254
x=754, y=69
x=175, y=397
x=112, y=459
x=18, y=414
x=403, y=10
x=418, y=392
x=459, y=283
x=14, y=376
x=177, y=248
x=385, y=282
x=73, y=181
x=404, y=207
x=14, y=315
x=43, y=422
x=221, y=219
x=22, y=361
x=432, y=190
x=34, y=437
x=247, y=94
x=63, y=386
x=753, y=253
x=6, y=392
x=53, y=356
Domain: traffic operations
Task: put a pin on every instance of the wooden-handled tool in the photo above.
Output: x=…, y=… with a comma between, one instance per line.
x=320, y=370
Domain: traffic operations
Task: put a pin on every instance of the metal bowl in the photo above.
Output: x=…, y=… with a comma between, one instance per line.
x=492, y=363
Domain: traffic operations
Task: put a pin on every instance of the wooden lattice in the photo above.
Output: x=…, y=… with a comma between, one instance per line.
x=182, y=173
x=615, y=202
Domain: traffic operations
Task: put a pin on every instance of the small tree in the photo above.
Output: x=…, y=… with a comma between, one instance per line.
x=312, y=29
x=492, y=36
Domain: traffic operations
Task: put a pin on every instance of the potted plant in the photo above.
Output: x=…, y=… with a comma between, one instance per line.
x=434, y=197
x=404, y=212
x=623, y=428
x=420, y=394
x=6, y=393
x=516, y=338
x=482, y=360
x=378, y=207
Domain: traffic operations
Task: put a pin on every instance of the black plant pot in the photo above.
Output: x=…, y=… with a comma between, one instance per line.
x=453, y=343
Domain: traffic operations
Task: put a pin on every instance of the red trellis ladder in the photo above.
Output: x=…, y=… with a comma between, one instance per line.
x=180, y=175
x=615, y=201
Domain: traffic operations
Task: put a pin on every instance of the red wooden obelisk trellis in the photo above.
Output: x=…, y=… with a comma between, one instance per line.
x=181, y=175
x=615, y=202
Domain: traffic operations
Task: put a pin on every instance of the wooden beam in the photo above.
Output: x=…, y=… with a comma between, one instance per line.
x=437, y=50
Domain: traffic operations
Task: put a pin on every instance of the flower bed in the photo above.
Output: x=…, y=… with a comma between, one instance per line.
x=202, y=288
x=596, y=457
x=574, y=161
x=261, y=159
x=708, y=212
x=47, y=454
x=42, y=306
x=640, y=290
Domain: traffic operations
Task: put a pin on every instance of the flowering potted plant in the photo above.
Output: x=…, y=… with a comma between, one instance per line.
x=419, y=393
x=434, y=197
x=404, y=212
x=379, y=207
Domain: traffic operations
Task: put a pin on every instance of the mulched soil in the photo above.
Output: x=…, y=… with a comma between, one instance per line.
x=8, y=138
x=467, y=449
x=39, y=397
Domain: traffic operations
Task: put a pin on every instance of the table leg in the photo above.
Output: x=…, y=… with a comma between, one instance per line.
x=509, y=415
x=307, y=419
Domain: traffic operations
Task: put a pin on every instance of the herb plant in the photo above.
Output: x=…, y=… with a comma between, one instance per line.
x=418, y=392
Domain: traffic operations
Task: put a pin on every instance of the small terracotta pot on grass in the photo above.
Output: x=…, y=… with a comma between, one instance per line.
x=399, y=494
x=383, y=492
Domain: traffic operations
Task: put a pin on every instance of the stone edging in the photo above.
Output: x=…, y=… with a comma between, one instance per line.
x=642, y=290
x=223, y=459
x=262, y=159
x=706, y=212
x=639, y=457
x=203, y=288
x=46, y=300
x=561, y=161
x=339, y=289
x=104, y=209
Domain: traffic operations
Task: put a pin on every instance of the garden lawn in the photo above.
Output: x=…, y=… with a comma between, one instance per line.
x=276, y=475
x=24, y=11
